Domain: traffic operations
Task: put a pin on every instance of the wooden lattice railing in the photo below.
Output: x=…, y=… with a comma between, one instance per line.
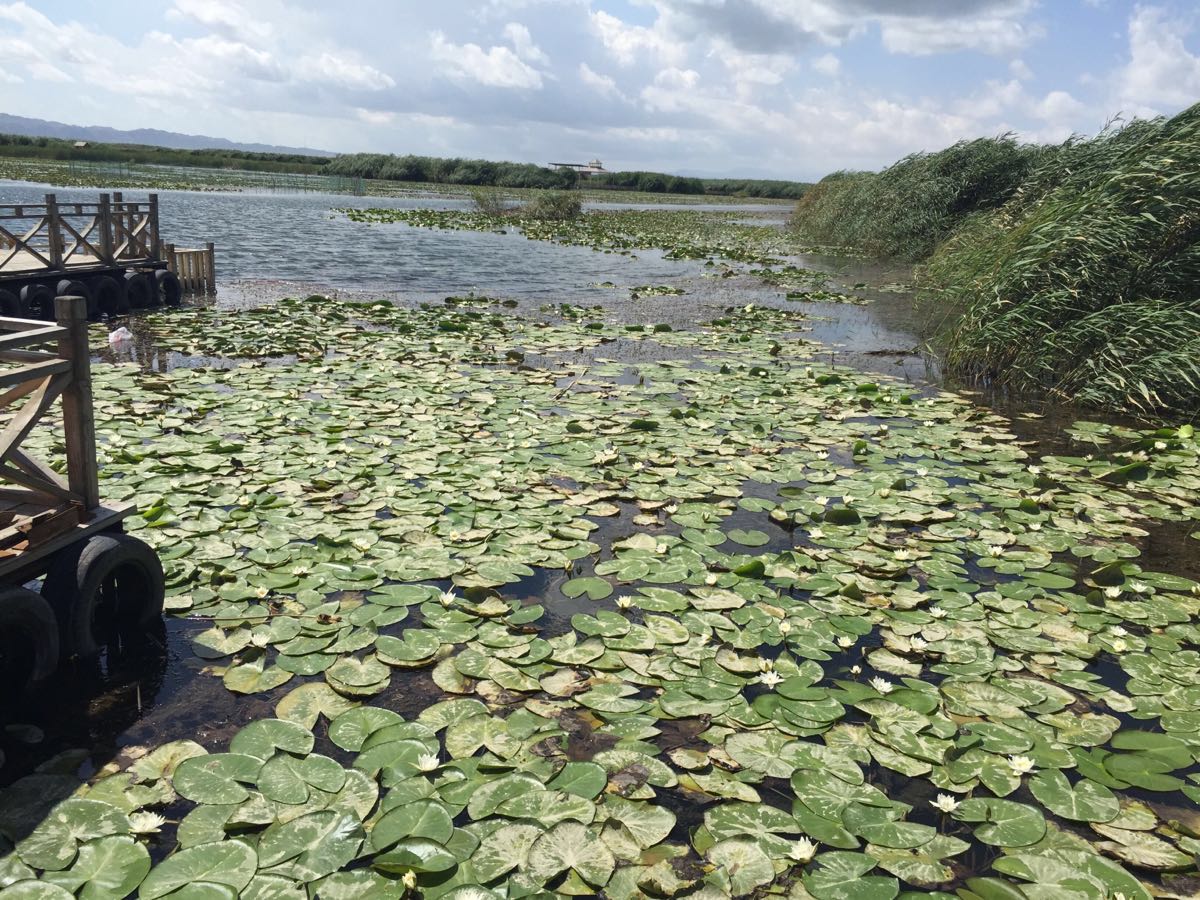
x=58, y=236
x=39, y=378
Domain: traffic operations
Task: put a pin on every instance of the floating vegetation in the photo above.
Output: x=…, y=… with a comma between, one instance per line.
x=821, y=296
x=680, y=234
x=725, y=622
x=655, y=290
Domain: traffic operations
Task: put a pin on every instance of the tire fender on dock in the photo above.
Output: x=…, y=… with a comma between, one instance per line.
x=38, y=301
x=111, y=299
x=29, y=637
x=169, y=287
x=141, y=290
x=70, y=287
x=108, y=584
x=11, y=306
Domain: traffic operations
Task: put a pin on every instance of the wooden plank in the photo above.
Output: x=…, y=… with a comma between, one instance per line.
x=49, y=490
x=101, y=519
x=10, y=342
x=83, y=474
x=35, y=407
x=34, y=371
x=53, y=226
x=210, y=271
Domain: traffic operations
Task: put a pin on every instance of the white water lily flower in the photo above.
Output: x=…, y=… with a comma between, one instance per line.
x=624, y=602
x=883, y=429
x=261, y=592
x=1118, y=631
x=785, y=626
x=770, y=679
x=803, y=850
x=1035, y=470
x=1139, y=588
x=918, y=643
x=361, y=544
x=1035, y=526
x=882, y=685
x=844, y=641
x=995, y=550
x=660, y=548
x=1119, y=645
x=816, y=534
x=944, y=802
x=146, y=822
x=671, y=509
x=300, y=570
x=856, y=670
x=427, y=762
x=821, y=501
x=1112, y=592
x=1021, y=765
x=766, y=665
x=447, y=598
x=710, y=579
x=938, y=613
x=410, y=879
x=1160, y=445
x=902, y=554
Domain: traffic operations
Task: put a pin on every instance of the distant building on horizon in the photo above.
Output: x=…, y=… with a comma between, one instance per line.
x=595, y=167
x=80, y=145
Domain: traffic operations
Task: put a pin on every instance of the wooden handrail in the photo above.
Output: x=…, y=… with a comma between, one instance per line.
x=40, y=378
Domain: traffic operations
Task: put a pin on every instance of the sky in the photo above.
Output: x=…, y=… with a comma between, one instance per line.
x=789, y=89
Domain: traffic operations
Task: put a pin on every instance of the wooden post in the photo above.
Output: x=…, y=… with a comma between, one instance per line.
x=106, y=229
x=169, y=253
x=54, y=232
x=83, y=477
x=118, y=220
x=210, y=268
x=155, y=242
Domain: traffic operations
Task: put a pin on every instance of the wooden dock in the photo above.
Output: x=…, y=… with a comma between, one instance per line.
x=109, y=252
x=53, y=237
x=41, y=511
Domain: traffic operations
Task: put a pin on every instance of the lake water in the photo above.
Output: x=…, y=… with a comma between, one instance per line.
x=272, y=244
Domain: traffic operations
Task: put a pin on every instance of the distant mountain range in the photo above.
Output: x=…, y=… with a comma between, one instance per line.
x=152, y=136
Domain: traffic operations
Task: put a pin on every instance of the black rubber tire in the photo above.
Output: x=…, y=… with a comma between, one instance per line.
x=11, y=306
x=29, y=639
x=169, y=287
x=111, y=299
x=140, y=289
x=104, y=590
x=39, y=301
x=69, y=287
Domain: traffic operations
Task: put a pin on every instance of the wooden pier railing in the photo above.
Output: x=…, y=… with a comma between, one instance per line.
x=55, y=237
x=39, y=378
x=195, y=269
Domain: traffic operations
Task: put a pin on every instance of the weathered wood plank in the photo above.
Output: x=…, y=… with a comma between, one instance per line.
x=83, y=474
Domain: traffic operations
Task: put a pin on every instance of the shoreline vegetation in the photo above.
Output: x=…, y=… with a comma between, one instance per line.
x=1070, y=269
x=387, y=168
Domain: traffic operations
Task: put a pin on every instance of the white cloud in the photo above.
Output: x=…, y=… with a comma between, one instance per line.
x=496, y=67
x=604, y=84
x=1020, y=70
x=1058, y=107
x=343, y=72
x=1161, y=75
x=375, y=116
x=827, y=64
x=228, y=18
x=997, y=33
x=518, y=35
x=627, y=43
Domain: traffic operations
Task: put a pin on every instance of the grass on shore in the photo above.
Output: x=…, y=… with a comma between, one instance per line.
x=1071, y=269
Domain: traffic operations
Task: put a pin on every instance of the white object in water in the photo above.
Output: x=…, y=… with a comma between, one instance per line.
x=121, y=334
